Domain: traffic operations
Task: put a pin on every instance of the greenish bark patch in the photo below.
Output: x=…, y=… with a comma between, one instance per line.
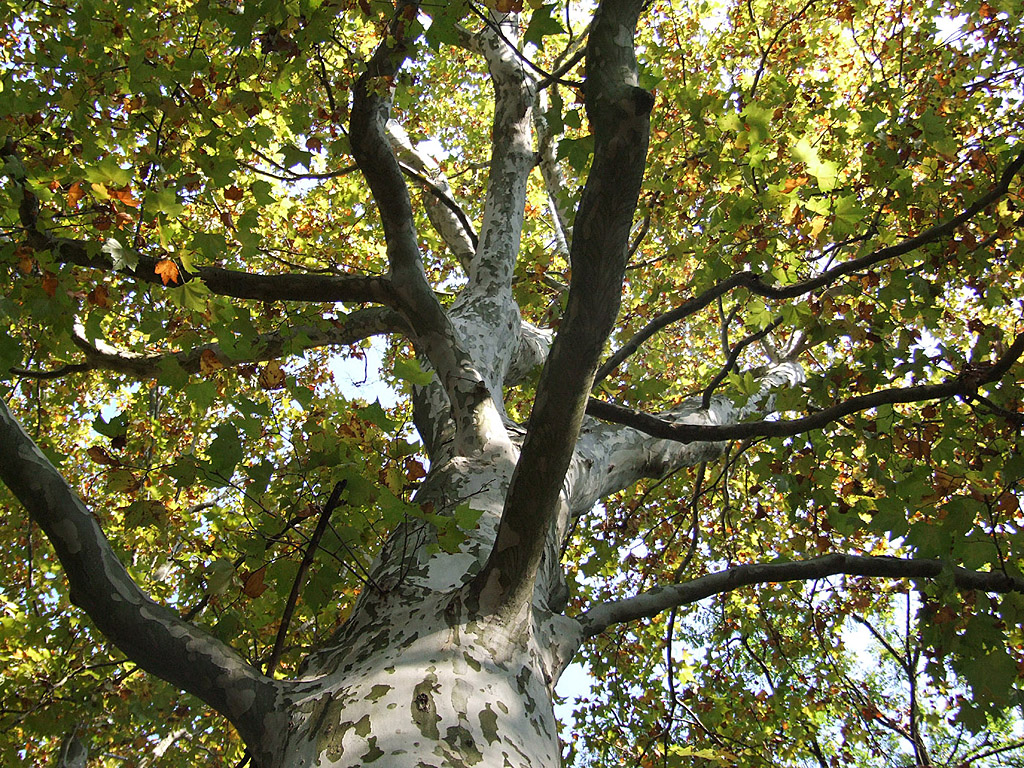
x=363, y=727
x=424, y=710
x=374, y=752
x=489, y=724
x=463, y=746
x=377, y=693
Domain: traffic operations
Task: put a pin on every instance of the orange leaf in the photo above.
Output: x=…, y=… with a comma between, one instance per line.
x=26, y=262
x=792, y=184
x=75, y=194
x=124, y=195
x=167, y=270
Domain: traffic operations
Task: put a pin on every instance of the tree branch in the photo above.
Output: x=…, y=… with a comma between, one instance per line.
x=756, y=285
x=151, y=635
x=477, y=422
x=654, y=601
x=619, y=112
x=965, y=384
x=300, y=575
x=269, y=346
x=224, y=282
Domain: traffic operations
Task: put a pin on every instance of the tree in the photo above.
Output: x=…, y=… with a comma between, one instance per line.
x=709, y=323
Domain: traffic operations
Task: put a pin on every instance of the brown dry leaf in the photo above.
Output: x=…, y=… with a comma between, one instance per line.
x=167, y=270
x=100, y=296
x=272, y=376
x=209, y=362
x=253, y=585
x=50, y=284
x=75, y=194
x=100, y=456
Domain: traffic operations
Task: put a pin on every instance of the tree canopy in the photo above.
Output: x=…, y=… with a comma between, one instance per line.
x=806, y=272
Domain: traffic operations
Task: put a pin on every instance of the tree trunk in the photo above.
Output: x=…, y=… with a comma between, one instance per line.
x=424, y=687
x=420, y=675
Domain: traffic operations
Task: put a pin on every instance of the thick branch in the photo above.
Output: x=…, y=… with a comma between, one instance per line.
x=269, y=346
x=619, y=111
x=965, y=384
x=225, y=282
x=512, y=159
x=756, y=285
x=448, y=218
x=654, y=601
x=153, y=636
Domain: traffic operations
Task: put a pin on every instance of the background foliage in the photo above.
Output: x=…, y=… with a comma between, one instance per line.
x=788, y=136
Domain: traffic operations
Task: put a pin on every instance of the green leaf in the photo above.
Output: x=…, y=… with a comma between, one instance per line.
x=121, y=256
x=542, y=24
x=226, y=450
x=374, y=414
x=576, y=151
x=192, y=295
x=115, y=427
x=408, y=369
x=990, y=676
x=219, y=575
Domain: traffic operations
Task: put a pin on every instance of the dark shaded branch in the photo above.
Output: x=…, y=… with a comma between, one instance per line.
x=756, y=285
x=151, y=635
x=269, y=346
x=226, y=282
x=730, y=363
x=619, y=112
x=300, y=576
x=654, y=601
x=445, y=200
x=965, y=384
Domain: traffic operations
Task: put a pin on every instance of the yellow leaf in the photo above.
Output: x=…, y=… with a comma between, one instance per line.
x=817, y=225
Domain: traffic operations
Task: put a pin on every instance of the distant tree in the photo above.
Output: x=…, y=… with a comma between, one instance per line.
x=705, y=322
